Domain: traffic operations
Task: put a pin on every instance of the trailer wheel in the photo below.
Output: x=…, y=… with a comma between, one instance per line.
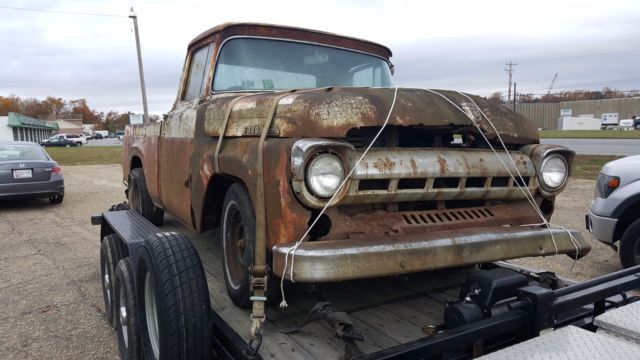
x=111, y=251
x=630, y=245
x=173, y=299
x=126, y=316
x=139, y=199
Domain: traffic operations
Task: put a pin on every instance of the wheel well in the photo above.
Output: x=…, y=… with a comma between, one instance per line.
x=626, y=219
x=214, y=196
x=135, y=163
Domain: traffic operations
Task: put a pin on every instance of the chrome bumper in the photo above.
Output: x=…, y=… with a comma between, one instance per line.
x=336, y=260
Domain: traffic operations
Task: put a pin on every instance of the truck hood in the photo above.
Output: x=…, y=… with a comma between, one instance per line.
x=332, y=112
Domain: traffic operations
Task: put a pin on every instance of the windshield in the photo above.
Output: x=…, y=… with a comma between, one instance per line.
x=261, y=64
x=21, y=152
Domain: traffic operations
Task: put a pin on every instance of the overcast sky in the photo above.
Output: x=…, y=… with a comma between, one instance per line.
x=459, y=45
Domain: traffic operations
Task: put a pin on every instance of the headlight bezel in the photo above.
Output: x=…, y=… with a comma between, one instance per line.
x=309, y=181
x=547, y=187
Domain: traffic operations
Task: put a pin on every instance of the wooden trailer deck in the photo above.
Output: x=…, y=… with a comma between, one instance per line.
x=387, y=311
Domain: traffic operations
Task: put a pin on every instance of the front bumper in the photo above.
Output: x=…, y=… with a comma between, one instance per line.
x=602, y=228
x=32, y=189
x=336, y=260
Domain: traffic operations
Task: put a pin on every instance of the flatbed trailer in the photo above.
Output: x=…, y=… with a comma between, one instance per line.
x=399, y=317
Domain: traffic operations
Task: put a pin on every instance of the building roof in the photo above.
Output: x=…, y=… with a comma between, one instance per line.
x=23, y=121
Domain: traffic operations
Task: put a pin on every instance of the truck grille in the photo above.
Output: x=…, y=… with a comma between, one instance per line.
x=405, y=175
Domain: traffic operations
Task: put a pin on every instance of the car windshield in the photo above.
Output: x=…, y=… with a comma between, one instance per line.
x=21, y=152
x=261, y=64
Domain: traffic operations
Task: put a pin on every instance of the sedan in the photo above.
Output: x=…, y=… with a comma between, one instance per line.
x=27, y=171
x=59, y=141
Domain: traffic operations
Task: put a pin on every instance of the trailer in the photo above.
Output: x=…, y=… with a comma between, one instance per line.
x=165, y=294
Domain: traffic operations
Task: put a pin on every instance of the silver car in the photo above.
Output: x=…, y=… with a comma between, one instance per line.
x=615, y=211
x=27, y=171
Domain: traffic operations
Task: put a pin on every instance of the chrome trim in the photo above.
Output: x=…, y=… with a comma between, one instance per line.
x=337, y=260
x=546, y=187
x=302, y=150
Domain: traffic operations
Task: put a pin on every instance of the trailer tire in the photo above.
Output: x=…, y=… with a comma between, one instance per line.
x=173, y=299
x=126, y=316
x=111, y=251
x=139, y=199
x=630, y=245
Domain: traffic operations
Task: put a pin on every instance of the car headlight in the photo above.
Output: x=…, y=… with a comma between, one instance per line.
x=606, y=184
x=324, y=175
x=554, y=172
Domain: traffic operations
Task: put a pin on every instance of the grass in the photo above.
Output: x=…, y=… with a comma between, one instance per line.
x=589, y=134
x=588, y=166
x=86, y=155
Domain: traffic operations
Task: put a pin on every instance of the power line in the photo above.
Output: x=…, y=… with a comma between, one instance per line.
x=60, y=11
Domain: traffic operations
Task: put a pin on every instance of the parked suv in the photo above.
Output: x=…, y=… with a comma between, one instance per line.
x=615, y=211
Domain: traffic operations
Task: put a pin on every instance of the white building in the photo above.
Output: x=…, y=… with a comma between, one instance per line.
x=24, y=128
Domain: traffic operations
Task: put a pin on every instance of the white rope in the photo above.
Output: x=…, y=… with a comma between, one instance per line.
x=573, y=240
x=527, y=193
x=292, y=250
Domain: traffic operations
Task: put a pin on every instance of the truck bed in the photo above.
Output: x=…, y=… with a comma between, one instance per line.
x=387, y=311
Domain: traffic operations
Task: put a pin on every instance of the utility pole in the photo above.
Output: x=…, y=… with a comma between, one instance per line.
x=133, y=16
x=514, y=96
x=509, y=71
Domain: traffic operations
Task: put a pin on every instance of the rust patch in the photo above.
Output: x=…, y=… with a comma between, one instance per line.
x=384, y=165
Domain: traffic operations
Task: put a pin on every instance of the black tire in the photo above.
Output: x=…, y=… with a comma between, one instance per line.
x=238, y=223
x=126, y=316
x=56, y=199
x=111, y=251
x=173, y=300
x=67, y=145
x=78, y=144
x=139, y=199
x=630, y=245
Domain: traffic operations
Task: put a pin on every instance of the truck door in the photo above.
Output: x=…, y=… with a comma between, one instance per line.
x=176, y=141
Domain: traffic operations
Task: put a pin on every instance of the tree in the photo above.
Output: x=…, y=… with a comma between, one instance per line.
x=496, y=97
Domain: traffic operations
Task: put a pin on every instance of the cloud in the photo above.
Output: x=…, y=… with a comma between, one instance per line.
x=441, y=45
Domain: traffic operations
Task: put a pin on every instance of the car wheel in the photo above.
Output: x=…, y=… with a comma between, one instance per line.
x=78, y=144
x=56, y=199
x=67, y=145
x=630, y=245
x=111, y=251
x=173, y=299
x=139, y=199
x=126, y=316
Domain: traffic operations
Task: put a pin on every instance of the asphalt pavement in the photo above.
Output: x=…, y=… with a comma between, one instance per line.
x=615, y=147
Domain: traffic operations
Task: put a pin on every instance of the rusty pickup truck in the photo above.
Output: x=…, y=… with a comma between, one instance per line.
x=272, y=122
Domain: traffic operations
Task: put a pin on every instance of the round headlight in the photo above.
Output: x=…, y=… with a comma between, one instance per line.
x=324, y=173
x=554, y=172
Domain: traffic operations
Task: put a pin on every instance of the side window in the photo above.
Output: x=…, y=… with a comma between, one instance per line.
x=197, y=71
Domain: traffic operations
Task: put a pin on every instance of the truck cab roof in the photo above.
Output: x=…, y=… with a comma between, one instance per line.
x=233, y=29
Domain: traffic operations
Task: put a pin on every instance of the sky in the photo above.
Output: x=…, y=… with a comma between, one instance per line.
x=461, y=45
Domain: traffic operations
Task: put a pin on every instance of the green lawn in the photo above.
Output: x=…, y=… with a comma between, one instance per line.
x=589, y=134
x=588, y=166
x=86, y=155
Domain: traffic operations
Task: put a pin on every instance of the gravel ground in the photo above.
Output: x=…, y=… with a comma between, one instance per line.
x=50, y=278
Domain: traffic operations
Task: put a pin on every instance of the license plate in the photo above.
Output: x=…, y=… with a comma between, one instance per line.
x=22, y=174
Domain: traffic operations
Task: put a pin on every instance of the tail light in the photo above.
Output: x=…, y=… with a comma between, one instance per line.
x=56, y=170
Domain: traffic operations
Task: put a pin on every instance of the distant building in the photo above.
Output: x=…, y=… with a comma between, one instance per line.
x=69, y=127
x=24, y=128
x=552, y=115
